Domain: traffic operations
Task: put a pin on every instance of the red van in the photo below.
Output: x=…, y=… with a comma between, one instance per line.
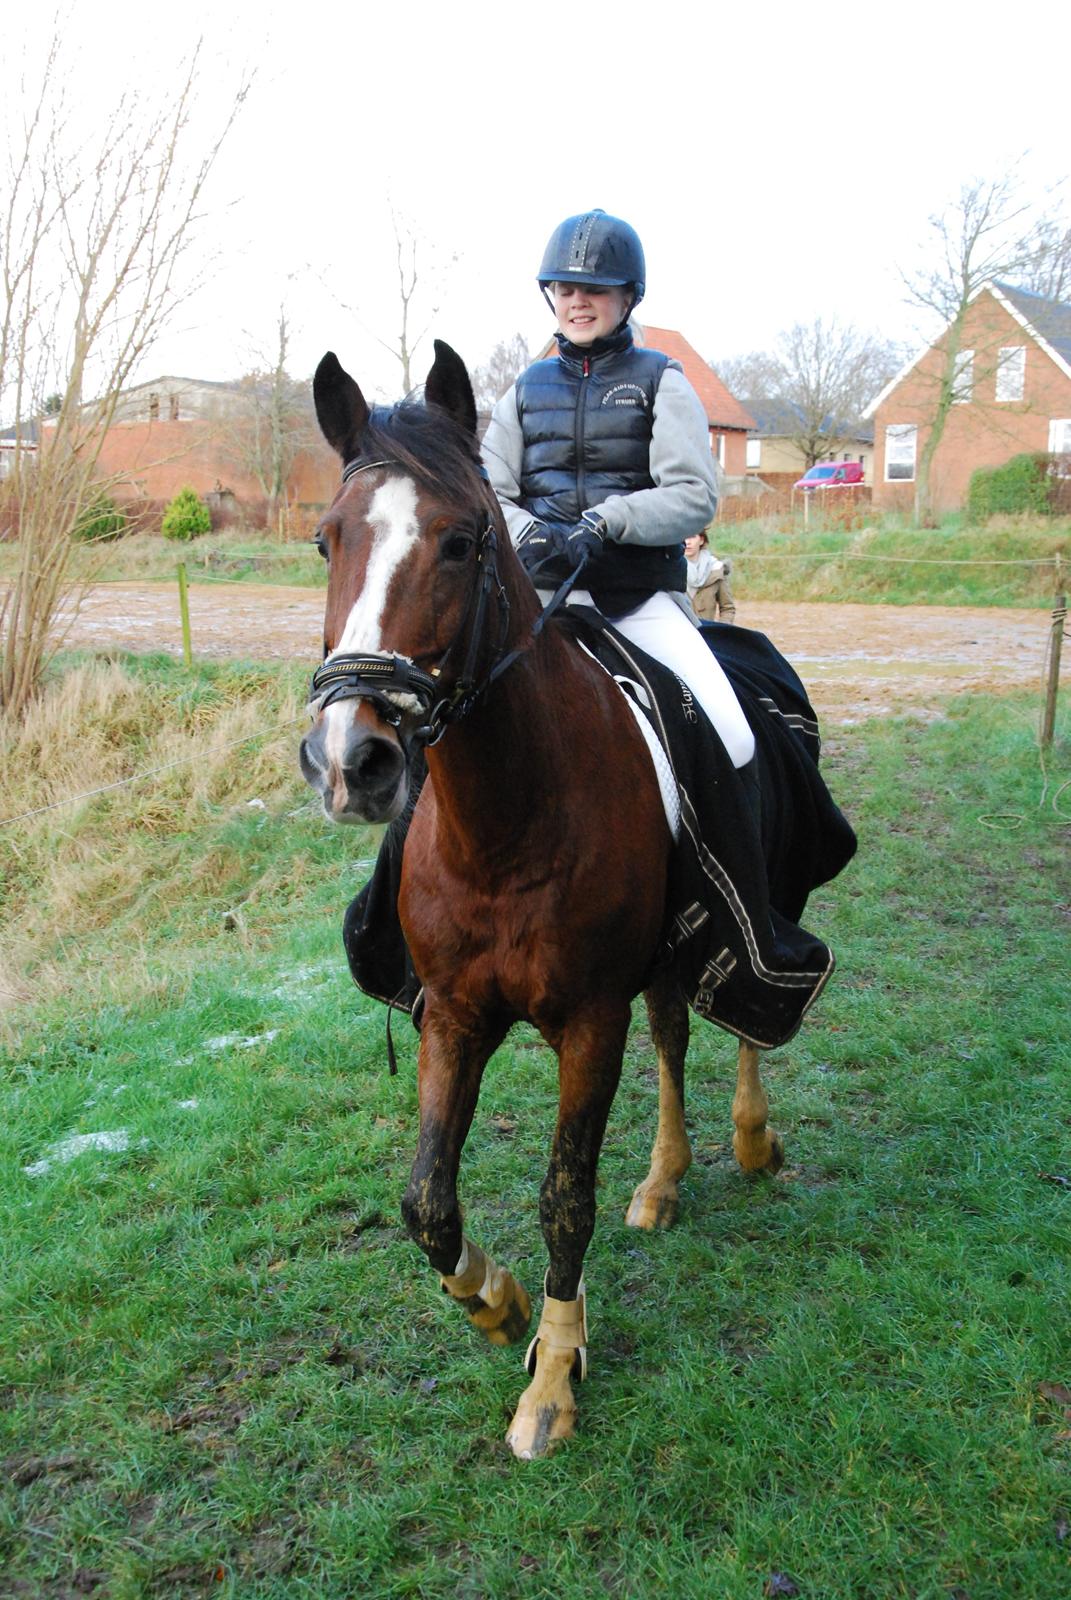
x=831, y=475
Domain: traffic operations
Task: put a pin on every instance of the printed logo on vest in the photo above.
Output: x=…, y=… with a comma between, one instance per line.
x=625, y=394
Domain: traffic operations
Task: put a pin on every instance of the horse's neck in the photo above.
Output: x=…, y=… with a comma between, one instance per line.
x=498, y=770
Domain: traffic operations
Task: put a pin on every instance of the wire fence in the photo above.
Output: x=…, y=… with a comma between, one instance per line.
x=1051, y=667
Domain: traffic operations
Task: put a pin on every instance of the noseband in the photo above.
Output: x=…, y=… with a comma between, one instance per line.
x=376, y=676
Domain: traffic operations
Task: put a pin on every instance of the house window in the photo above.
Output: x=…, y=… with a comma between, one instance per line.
x=1011, y=372
x=901, y=440
x=172, y=407
x=753, y=453
x=1060, y=436
x=721, y=450
x=963, y=378
x=154, y=408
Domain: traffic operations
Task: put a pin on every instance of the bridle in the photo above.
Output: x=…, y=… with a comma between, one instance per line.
x=376, y=676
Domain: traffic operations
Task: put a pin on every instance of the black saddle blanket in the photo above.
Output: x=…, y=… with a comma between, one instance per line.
x=741, y=871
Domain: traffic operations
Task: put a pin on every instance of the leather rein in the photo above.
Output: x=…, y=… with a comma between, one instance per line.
x=376, y=676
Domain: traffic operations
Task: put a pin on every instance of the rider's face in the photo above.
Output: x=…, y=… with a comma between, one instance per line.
x=586, y=312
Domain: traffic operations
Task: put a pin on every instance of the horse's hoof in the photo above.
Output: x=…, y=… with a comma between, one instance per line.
x=653, y=1206
x=506, y=1320
x=762, y=1152
x=546, y=1412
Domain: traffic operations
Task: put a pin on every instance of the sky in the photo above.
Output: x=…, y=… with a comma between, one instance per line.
x=779, y=162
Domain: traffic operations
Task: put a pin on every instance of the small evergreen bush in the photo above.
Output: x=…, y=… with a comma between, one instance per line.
x=98, y=520
x=186, y=517
x=1025, y=483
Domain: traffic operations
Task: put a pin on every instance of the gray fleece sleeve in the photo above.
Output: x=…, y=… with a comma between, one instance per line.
x=685, y=495
x=503, y=453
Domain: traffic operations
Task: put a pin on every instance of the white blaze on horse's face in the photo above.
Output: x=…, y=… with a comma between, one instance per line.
x=392, y=517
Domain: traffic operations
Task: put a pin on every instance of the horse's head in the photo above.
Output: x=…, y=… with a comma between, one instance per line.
x=409, y=542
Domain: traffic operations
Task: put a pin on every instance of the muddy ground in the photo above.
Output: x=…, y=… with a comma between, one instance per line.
x=857, y=660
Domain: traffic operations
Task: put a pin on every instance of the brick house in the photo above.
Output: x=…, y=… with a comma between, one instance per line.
x=1013, y=394
x=173, y=431
x=727, y=420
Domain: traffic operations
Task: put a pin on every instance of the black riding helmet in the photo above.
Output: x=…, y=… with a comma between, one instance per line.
x=598, y=249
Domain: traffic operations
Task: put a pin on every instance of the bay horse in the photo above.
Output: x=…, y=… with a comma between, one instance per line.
x=534, y=875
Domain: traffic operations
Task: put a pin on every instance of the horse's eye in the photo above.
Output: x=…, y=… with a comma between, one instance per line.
x=456, y=546
x=320, y=543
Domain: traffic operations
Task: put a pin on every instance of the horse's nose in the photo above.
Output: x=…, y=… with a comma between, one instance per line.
x=373, y=764
x=359, y=773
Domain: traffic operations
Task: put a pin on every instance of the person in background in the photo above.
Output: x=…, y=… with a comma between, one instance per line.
x=600, y=457
x=708, y=581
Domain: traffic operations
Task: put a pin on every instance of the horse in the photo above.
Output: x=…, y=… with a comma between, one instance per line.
x=534, y=875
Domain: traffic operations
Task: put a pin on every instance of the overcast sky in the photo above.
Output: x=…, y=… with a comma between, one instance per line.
x=779, y=162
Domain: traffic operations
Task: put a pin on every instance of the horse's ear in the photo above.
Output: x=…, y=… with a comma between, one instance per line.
x=448, y=387
x=341, y=409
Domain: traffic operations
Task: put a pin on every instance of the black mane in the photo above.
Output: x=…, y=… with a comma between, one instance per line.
x=427, y=443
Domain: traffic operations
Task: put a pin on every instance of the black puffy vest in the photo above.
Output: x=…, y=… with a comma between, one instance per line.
x=586, y=417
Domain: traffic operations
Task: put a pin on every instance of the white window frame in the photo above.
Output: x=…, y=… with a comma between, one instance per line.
x=753, y=453
x=963, y=379
x=903, y=433
x=1060, y=436
x=1011, y=372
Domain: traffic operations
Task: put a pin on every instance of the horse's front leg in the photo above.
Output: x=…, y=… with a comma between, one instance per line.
x=452, y=1059
x=589, y=1066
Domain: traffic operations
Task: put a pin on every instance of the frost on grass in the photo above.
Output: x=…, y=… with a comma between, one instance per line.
x=114, y=1142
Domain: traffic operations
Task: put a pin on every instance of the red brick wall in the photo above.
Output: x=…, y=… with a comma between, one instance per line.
x=984, y=432
x=735, y=463
x=154, y=460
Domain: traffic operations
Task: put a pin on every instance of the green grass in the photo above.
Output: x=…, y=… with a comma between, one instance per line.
x=779, y=559
x=234, y=556
x=775, y=558
x=224, y=1370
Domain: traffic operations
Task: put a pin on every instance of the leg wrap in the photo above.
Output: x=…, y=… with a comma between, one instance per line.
x=496, y=1303
x=563, y=1326
x=475, y=1274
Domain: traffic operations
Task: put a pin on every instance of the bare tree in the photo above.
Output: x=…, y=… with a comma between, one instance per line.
x=817, y=379
x=1047, y=269
x=272, y=424
x=989, y=232
x=422, y=269
x=503, y=366
x=94, y=236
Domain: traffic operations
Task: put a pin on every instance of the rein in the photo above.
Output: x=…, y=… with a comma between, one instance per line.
x=376, y=676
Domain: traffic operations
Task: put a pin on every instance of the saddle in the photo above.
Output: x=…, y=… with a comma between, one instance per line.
x=751, y=846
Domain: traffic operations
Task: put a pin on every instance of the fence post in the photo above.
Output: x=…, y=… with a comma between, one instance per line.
x=1059, y=612
x=184, y=612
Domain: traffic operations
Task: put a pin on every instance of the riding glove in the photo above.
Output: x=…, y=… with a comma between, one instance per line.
x=584, y=541
x=538, y=544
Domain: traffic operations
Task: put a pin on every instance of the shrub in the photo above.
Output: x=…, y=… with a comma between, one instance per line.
x=98, y=520
x=186, y=517
x=1025, y=483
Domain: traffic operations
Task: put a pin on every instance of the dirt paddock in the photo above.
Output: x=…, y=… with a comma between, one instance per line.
x=856, y=660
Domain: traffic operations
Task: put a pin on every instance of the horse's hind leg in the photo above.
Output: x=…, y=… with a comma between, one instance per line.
x=451, y=1066
x=756, y=1146
x=654, y=1204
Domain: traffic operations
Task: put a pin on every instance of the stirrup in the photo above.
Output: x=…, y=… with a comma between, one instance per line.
x=563, y=1326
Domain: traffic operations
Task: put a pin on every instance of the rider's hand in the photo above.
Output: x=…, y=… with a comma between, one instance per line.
x=538, y=544
x=584, y=541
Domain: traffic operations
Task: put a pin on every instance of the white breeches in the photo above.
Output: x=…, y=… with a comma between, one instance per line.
x=661, y=627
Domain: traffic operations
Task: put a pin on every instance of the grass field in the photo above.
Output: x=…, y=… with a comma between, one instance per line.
x=775, y=558
x=224, y=1369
